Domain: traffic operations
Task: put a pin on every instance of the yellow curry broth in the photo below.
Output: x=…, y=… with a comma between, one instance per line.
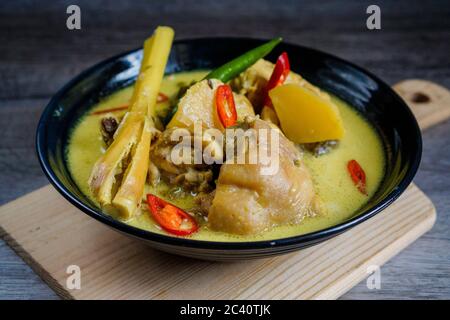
x=339, y=197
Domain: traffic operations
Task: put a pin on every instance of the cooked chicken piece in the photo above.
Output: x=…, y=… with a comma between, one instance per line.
x=194, y=179
x=198, y=105
x=204, y=202
x=107, y=128
x=191, y=176
x=269, y=114
x=247, y=202
x=253, y=81
x=154, y=176
x=321, y=148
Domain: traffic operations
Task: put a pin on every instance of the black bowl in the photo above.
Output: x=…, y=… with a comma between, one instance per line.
x=365, y=92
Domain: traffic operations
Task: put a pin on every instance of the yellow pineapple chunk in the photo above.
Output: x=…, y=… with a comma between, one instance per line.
x=305, y=116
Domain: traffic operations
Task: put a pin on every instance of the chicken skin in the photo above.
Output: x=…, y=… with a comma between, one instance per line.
x=248, y=202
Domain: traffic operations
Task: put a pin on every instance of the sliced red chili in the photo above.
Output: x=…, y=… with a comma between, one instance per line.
x=171, y=218
x=279, y=75
x=161, y=97
x=358, y=175
x=225, y=106
x=115, y=109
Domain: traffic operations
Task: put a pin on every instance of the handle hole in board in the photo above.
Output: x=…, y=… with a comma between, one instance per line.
x=420, y=97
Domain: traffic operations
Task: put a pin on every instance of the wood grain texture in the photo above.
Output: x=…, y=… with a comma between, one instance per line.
x=52, y=237
x=38, y=55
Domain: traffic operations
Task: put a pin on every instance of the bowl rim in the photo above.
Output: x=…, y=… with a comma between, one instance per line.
x=223, y=245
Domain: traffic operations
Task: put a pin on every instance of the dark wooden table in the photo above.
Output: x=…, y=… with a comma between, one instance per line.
x=39, y=54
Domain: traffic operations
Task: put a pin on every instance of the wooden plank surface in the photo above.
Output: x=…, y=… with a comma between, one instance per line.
x=50, y=238
x=38, y=55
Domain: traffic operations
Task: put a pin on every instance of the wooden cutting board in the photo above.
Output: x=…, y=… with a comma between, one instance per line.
x=51, y=235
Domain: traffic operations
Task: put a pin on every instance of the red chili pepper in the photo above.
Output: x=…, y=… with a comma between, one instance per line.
x=225, y=106
x=358, y=175
x=110, y=110
x=161, y=97
x=171, y=218
x=279, y=75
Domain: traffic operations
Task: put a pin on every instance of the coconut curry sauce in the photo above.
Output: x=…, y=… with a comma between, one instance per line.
x=339, y=198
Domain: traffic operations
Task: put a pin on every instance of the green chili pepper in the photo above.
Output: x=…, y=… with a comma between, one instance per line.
x=233, y=68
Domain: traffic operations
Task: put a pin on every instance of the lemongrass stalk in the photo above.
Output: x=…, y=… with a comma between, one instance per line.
x=128, y=197
x=134, y=133
x=156, y=54
x=107, y=167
